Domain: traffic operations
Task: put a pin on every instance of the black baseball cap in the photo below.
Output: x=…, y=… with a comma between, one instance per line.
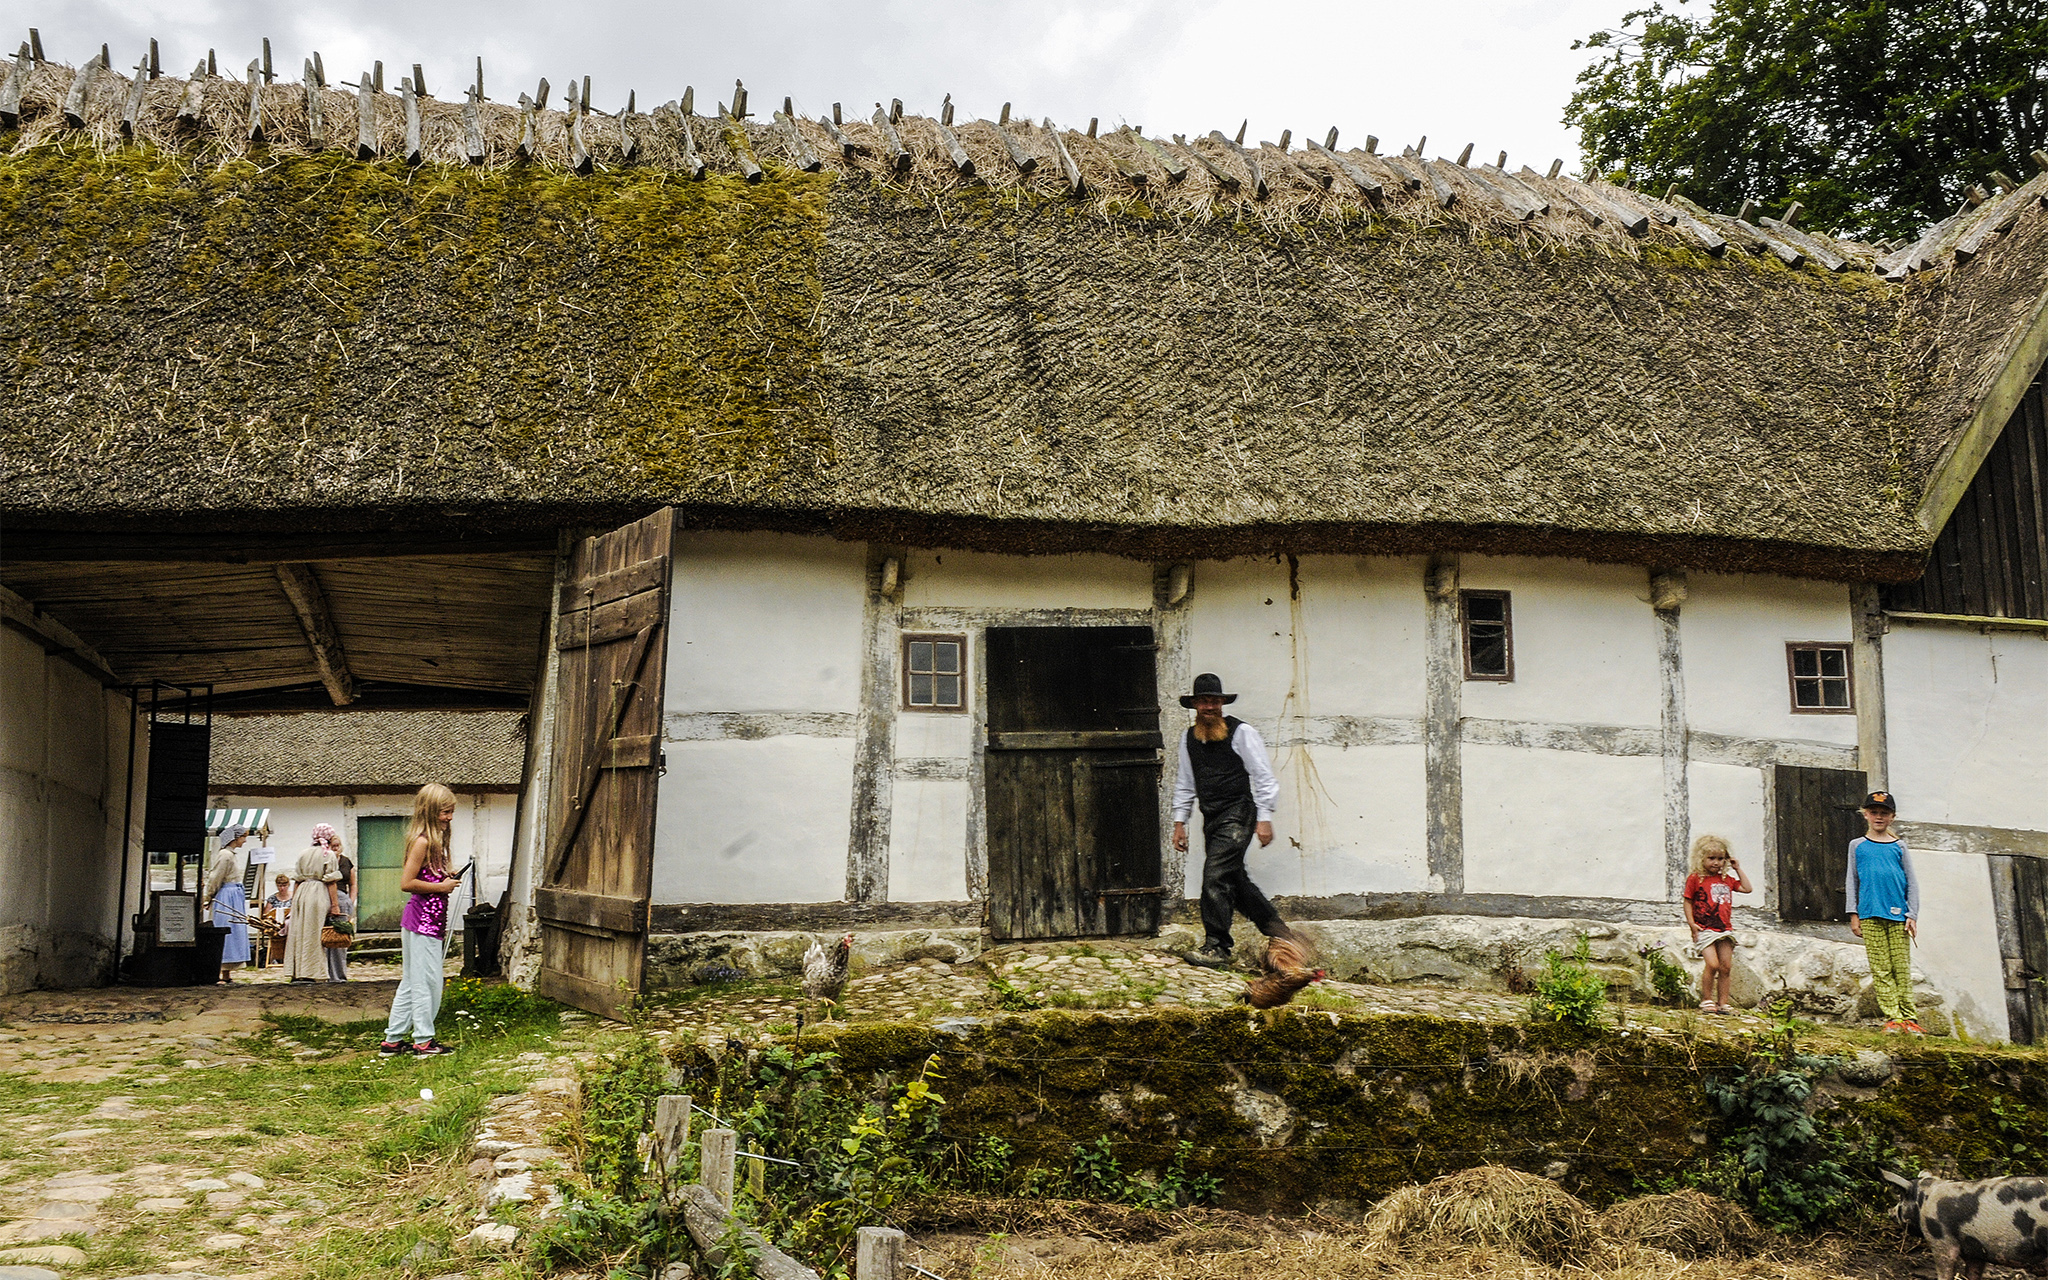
x=1880, y=800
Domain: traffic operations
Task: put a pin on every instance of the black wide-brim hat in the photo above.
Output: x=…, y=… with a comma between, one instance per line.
x=1207, y=685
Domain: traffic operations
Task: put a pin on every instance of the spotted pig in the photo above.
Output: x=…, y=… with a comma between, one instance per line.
x=1970, y=1224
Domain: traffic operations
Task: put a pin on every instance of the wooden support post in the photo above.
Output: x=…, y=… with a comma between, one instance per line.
x=309, y=602
x=892, y=142
x=131, y=108
x=366, y=119
x=878, y=1254
x=671, y=1128
x=81, y=88
x=316, y=124
x=717, y=1167
x=195, y=96
x=11, y=87
x=794, y=143
x=255, y=76
x=411, y=100
x=1071, y=170
x=1175, y=168
x=472, y=124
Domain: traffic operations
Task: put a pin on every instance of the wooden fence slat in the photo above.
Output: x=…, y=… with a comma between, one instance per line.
x=719, y=1146
x=671, y=1128
x=878, y=1254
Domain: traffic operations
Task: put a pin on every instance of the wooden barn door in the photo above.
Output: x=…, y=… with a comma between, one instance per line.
x=1072, y=773
x=1817, y=819
x=2027, y=973
x=599, y=860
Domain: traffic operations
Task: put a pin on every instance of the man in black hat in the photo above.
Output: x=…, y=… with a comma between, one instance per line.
x=1223, y=764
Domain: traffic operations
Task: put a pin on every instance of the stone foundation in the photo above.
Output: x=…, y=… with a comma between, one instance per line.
x=33, y=958
x=686, y=959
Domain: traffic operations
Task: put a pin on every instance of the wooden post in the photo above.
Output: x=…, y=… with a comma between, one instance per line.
x=793, y=141
x=81, y=88
x=131, y=110
x=195, y=94
x=525, y=126
x=717, y=1167
x=878, y=1254
x=899, y=156
x=11, y=87
x=316, y=129
x=411, y=98
x=255, y=75
x=366, y=119
x=1071, y=170
x=472, y=123
x=671, y=1128
x=757, y=1177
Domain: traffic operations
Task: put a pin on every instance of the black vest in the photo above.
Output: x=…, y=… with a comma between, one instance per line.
x=1221, y=780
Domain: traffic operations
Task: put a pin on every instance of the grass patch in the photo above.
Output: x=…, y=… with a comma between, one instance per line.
x=443, y=1131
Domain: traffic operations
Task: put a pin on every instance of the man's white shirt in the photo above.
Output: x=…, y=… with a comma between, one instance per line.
x=1251, y=749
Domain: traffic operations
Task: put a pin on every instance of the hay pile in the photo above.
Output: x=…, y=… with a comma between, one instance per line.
x=1691, y=1224
x=1488, y=1207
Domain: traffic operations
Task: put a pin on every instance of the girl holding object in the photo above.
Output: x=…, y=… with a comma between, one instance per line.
x=1709, y=908
x=423, y=927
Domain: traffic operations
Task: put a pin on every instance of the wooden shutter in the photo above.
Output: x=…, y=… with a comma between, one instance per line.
x=2027, y=973
x=1072, y=777
x=1817, y=818
x=598, y=865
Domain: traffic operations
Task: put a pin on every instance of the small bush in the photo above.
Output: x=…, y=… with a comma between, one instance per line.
x=1567, y=990
x=1667, y=977
x=1790, y=1169
x=475, y=1010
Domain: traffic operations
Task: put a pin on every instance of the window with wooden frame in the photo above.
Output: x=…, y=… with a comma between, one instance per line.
x=935, y=673
x=1485, y=619
x=1820, y=679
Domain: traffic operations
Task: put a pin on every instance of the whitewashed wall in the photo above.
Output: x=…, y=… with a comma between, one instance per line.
x=482, y=831
x=63, y=765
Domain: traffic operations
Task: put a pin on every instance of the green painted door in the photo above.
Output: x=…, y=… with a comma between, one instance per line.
x=380, y=849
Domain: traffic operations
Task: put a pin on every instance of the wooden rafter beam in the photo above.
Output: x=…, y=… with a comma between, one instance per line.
x=302, y=588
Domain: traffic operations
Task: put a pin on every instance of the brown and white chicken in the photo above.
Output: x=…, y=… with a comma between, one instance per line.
x=825, y=971
x=1287, y=969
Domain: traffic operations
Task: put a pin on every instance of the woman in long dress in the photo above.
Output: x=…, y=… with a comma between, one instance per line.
x=313, y=900
x=228, y=903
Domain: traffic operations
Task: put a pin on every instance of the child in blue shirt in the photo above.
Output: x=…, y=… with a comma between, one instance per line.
x=1884, y=910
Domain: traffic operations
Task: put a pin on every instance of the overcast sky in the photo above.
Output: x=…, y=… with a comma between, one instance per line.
x=1492, y=72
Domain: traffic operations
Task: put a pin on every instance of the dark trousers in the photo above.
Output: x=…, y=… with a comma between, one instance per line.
x=1226, y=836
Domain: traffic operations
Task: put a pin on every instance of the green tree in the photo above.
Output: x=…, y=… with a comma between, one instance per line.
x=1877, y=116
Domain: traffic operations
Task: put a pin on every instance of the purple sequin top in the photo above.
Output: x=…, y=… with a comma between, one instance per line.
x=427, y=913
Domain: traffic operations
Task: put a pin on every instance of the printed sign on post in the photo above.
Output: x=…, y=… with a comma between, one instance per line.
x=177, y=918
x=261, y=855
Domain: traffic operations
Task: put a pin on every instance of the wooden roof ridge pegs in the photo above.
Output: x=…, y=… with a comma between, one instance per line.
x=963, y=164
x=1815, y=248
x=194, y=95
x=419, y=82
x=895, y=110
x=1556, y=167
x=526, y=141
x=629, y=142
x=254, y=73
x=1995, y=220
x=1093, y=121
x=1358, y=177
x=1024, y=160
x=11, y=86
x=472, y=124
x=1132, y=173
x=1749, y=211
x=1176, y=169
x=793, y=141
x=1439, y=186
x=1405, y=168
x=578, y=108
x=1792, y=212
x=1583, y=203
x=156, y=63
x=1242, y=125
x=2003, y=182
x=316, y=130
x=1285, y=163
x=1711, y=240
x=739, y=101
x=1071, y=170
x=1523, y=201
x=35, y=46
x=735, y=135
x=410, y=99
x=81, y=88
x=540, y=95
x=892, y=142
x=1502, y=163
x=1223, y=177
x=1465, y=157
x=131, y=106
x=1738, y=231
x=669, y=116
x=269, y=73
x=1259, y=189
x=377, y=76
x=1372, y=144
x=366, y=118
x=319, y=71
x=833, y=131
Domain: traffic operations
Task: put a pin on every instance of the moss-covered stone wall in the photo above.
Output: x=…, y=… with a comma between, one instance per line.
x=1317, y=1106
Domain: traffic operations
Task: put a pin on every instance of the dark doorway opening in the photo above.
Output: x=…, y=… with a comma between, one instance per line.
x=1817, y=820
x=1072, y=777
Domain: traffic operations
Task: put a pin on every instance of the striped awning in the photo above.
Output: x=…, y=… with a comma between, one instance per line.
x=219, y=820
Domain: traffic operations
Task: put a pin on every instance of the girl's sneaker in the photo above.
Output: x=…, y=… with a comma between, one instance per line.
x=1914, y=1028
x=431, y=1049
x=1895, y=1026
x=393, y=1049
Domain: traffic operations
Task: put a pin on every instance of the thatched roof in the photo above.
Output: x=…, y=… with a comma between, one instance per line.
x=209, y=332
x=329, y=753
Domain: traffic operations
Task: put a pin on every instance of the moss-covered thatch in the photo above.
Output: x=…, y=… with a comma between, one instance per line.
x=205, y=332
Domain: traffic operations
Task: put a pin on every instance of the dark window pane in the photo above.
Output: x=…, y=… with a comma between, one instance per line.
x=920, y=690
x=920, y=655
x=1835, y=693
x=1834, y=662
x=1485, y=608
x=1805, y=663
x=1806, y=693
x=947, y=657
x=948, y=694
x=1489, y=651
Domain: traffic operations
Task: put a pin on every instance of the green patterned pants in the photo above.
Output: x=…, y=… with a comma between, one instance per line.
x=1890, y=950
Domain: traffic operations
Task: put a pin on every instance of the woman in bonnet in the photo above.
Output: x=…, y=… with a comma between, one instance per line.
x=314, y=898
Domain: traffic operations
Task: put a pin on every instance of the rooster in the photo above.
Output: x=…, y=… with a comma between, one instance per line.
x=1286, y=964
x=825, y=972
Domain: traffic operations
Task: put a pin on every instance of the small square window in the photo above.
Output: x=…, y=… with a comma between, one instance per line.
x=935, y=673
x=1820, y=679
x=1489, y=635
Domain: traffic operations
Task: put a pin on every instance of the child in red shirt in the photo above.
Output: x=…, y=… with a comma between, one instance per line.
x=1709, y=908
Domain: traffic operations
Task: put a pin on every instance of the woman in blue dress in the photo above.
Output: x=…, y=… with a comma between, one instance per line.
x=229, y=904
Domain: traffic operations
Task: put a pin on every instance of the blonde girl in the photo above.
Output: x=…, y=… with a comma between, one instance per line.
x=423, y=926
x=1708, y=906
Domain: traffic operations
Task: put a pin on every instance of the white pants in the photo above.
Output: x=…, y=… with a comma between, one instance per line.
x=418, y=1001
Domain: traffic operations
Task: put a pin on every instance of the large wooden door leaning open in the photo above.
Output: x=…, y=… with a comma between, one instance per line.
x=598, y=863
x=1072, y=771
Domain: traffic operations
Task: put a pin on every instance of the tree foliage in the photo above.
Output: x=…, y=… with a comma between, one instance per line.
x=1877, y=115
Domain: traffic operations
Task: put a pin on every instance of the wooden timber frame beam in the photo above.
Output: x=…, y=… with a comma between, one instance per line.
x=2025, y=353
x=302, y=588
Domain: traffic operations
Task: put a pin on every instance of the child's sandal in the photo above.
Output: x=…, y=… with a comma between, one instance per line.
x=1708, y=1006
